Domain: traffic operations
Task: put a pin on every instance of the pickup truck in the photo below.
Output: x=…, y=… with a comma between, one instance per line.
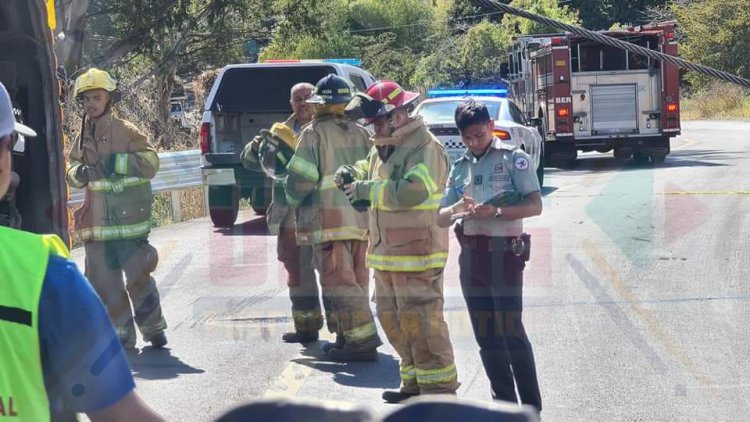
x=244, y=99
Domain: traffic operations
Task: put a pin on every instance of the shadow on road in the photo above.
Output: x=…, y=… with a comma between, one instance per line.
x=676, y=159
x=384, y=373
x=153, y=364
x=255, y=227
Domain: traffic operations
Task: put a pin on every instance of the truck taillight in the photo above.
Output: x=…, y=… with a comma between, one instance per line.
x=501, y=134
x=205, y=138
x=671, y=107
x=563, y=112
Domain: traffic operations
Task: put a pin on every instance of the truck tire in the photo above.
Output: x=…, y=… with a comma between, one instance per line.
x=640, y=158
x=223, y=205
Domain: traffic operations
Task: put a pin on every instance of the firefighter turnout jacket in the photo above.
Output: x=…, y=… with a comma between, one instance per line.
x=118, y=205
x=325, y=214
x=405, y=193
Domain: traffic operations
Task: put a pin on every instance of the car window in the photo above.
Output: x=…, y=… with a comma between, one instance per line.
x=263, y=89
x=442, y=111
x=358, y=82
x=516, y=114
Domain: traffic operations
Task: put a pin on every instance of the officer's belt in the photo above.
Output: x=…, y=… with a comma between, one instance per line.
x=481, y=243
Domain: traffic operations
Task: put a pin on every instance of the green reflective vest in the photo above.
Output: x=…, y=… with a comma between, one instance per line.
x=23, y=264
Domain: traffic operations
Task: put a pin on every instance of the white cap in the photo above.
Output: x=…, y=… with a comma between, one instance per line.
x=8, y=123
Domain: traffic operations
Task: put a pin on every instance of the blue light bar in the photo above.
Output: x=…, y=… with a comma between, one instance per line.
x=352, y=62
x=495, y=92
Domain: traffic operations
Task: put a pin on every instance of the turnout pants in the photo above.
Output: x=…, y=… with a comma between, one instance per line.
x=303, y=287
x=410, y=310
x=492, y=284
x=105, y=264
x=346, y=283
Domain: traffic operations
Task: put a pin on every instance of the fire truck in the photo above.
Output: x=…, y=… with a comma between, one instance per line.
x=589, y=96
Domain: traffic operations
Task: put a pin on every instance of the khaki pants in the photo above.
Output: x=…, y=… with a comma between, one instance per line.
x=410, y=310
x=303, y=287
x=105, y=264
x=346, y=280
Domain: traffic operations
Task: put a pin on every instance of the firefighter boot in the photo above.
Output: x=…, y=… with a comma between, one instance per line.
x=339, y=344
x=300, y=336
x=397, y=396
x=158, y=340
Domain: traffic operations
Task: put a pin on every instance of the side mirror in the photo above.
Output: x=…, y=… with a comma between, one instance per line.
x=504, y=71
x=535, y=122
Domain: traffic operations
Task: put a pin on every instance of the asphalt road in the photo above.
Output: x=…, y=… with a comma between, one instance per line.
x=636, y=296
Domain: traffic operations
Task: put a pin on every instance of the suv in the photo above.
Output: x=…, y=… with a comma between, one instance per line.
x=244, y=99
x=38, y=202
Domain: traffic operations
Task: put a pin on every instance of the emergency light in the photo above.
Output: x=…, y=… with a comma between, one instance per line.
x=489, y=92
x=349, y=61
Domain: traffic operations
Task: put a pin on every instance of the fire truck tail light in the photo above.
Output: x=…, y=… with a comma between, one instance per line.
x=501, y=134
x=671, y=107
x=558, y=41
x=563, y=112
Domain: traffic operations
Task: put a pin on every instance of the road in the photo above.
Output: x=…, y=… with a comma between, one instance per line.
x=636, y=296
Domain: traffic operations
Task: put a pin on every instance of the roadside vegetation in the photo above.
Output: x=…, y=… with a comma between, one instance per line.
x=158, y=47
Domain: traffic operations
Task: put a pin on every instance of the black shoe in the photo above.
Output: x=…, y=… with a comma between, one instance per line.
x=158, y=340
x=347, y=355
x=397, y=396
x=339, y=344
x=300, y=336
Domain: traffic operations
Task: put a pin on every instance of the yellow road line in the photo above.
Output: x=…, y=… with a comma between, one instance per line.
x=651, y=322
x=293, y=376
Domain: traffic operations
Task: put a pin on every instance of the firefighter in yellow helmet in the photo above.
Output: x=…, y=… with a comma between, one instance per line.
x=403, y=180
x=114, y=161
x=337, y=232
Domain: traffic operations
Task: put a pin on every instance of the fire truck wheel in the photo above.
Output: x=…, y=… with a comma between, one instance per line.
x=659, y=158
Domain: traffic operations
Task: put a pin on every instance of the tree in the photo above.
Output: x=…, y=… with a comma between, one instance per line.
x=548, y=8
x=715, y=33
x=602, y=14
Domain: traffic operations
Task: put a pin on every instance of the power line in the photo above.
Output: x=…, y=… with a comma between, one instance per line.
x=614, y=42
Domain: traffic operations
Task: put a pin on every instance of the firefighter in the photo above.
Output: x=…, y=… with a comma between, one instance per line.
x=297, y=259
x=53, y=328
x=403, y=181
x=494, y=187
x=326, y=221
x=114, y=161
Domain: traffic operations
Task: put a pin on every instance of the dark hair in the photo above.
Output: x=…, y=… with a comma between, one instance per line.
x=471, y=112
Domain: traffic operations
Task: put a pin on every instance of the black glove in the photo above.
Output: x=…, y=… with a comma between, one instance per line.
x=88, y=173
x=344, y=176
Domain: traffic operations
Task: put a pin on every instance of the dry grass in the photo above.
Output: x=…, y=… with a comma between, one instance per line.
x=720, y=100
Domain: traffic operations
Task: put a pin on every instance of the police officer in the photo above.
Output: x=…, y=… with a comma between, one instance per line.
x=297, y=259
x=403, y=179
x=491, y=189
x=326, y=220
x=53, y=327
x=114, y=161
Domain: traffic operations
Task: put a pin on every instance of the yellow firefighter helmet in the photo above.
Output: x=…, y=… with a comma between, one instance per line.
x=94, y=79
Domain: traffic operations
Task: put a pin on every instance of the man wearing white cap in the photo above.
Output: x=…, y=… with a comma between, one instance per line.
x=60, y=353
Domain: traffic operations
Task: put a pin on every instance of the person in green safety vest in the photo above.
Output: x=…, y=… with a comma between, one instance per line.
x=60, y=352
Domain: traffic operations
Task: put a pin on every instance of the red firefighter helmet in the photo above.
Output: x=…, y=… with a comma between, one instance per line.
x=391, y=96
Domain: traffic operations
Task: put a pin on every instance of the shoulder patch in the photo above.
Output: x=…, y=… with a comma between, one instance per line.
x=521, y=163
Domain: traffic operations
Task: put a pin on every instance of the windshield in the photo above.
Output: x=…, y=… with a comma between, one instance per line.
x=263, y=89
x=443, y=111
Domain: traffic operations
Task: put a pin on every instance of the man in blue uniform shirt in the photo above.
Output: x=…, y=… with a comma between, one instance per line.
x=60, y=353
x=490, y=190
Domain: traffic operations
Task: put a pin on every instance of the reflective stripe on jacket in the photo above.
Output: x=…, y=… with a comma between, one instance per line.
x=23, y=265
x=405, y=193
x=119, y=206
x=325, y=213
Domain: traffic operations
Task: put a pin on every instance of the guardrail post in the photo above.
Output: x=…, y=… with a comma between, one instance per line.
x=176, y=206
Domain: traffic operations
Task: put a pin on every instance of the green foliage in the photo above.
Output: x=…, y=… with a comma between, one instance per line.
x=409, y=20
x=548, y=8
x=484, y=48
x=602, y=14
x=725, y=46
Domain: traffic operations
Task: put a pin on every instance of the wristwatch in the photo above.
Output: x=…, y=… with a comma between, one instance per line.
x=498, y=212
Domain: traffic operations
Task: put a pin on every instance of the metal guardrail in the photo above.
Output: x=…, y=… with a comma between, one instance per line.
x=177, y=170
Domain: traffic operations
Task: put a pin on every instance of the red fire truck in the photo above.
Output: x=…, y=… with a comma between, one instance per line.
x=592, y=97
